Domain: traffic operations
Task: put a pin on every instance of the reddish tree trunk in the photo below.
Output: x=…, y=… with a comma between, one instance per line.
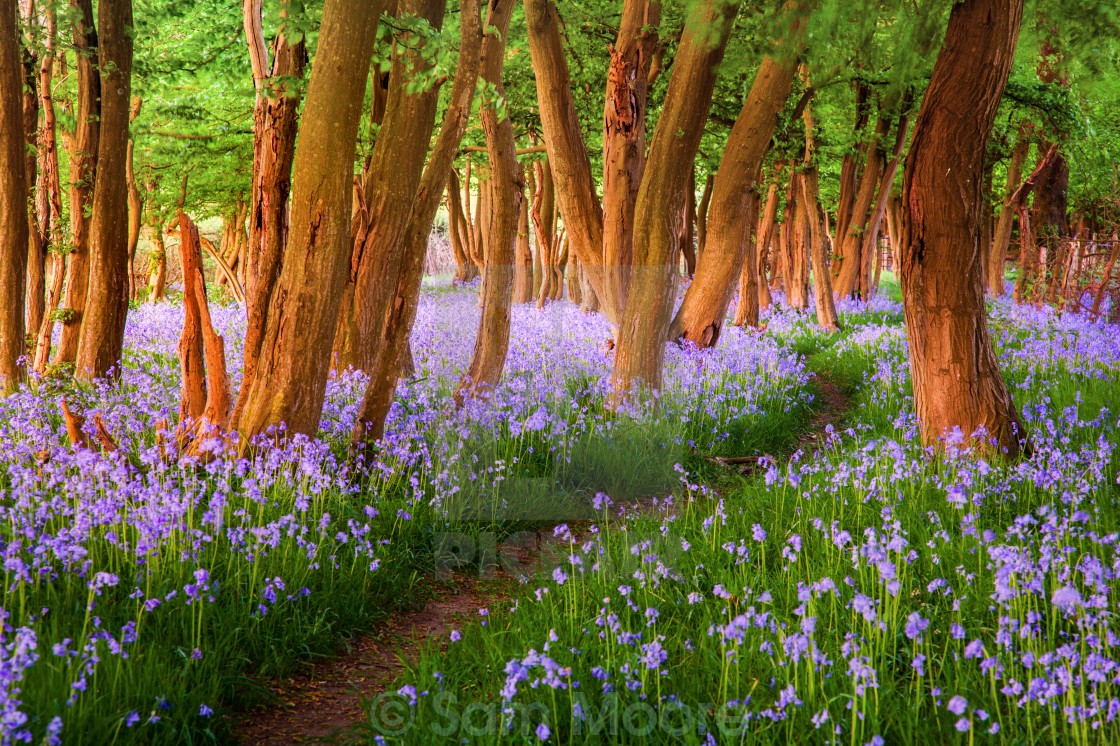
x=13, y=202
x=275, y=122
x=492, y=343
x=102, y=339
x=523, y=266
x=644, y=330
x=810, y=194
x=734, y=197
x=83, y=147
x=571, y=167
x=956, y=378
x=624, y=139
x=291, y=375
x=389, y=185
x=37, y=241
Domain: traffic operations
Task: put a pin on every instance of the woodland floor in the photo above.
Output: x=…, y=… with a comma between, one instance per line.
x=328, y=703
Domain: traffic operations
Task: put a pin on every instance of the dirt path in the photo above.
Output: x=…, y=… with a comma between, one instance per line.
x=325, y=703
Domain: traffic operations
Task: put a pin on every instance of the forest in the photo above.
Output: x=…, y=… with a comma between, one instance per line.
x=585, y=371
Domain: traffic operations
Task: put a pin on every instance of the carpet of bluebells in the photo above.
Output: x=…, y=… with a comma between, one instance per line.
x=145, y=594
x=861, y=591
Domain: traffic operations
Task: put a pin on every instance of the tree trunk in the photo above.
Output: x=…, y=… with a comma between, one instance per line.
x=734, y=194
x=797, y=282
x=48, y=197
x=83, y=147
x=13, y=202
x=702, y=214
x=102, y=339
x=542, y=214
x=36, y=243
x=291, y=375
x=571, y=167
x=624, y=140
x=687, y=239
x=850, y=264
x=389, y=184
x=492, y=343
x=465, y=268
x=275, y=122
x=135, y=205
x=202, y=351
x=157, y=267
x=869, y=249
x=644, y=330
x=394, y=355
x=746, y=310
x=956, y=378
x=810, y=195
x=523, y=268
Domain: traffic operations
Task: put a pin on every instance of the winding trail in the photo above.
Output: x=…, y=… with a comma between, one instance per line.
x=327, y=702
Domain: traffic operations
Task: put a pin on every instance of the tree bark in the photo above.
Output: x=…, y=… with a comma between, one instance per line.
x=956, y=378
x=13, y=202
x=624, y=139
x=571, y=167
x=869, y=248
x=797, y=251
x=102, y=339
x=704, y=310
x=291, y=375
x=83, y=147
x=810, y=194
x=492, y=342
x=644, y=330
x=36, y=245
x=850, y=264
x=746, y=310
x=48, y=203
x=135, y=205
x=275, y=122
x=523, y=268
x=389, y=184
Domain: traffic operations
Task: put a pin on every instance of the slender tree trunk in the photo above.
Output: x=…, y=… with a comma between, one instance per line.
x=571, y=167
x=746, y=311
x=102, y=339
x=704, y=310
x=1106, y=278
x=810, y=193
x=48, y=191
x=506, y=189
x=275, y=122
x=13, y=202
x=644, y=330
x=157, y=273
x=291, y=375
x=956, y=378
x=390, y=184
x=850, y=263
x=997, y=258
x=702, y=214
x=37, y=241
x=869, y=250
x=83, y=147
x=687, y=239
x=135, y=205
